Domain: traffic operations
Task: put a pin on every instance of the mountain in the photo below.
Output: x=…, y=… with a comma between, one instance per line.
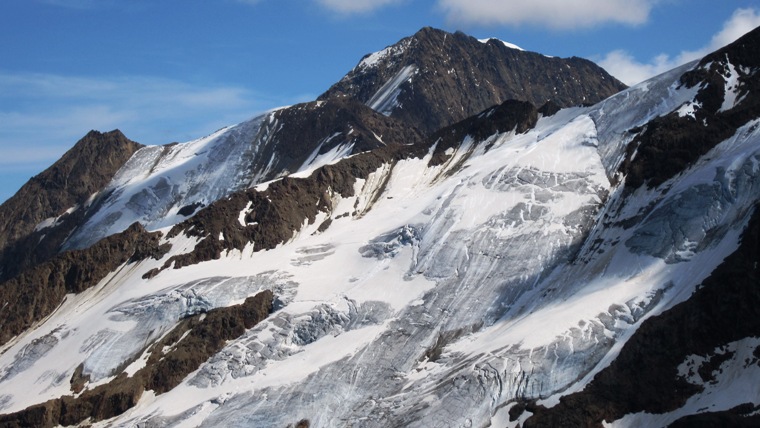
x=422, y=78
x=162, y=185
x=54, y=198
x=339, y=263
x=159, y=186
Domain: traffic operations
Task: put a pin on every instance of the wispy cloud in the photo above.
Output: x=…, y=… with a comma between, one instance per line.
x=42, y=115
x=77, y=4
x=629, y=70
x=349, y=7
x=345, y=7
x=555, y=14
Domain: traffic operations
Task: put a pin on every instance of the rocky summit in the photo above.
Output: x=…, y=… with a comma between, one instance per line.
x=457, y=233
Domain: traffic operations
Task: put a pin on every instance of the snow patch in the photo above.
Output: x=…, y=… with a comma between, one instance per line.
x=385, y=99
x=507, y=44
x=373, y=59
x=731, y=91
x=688, y=109
x=54, y=221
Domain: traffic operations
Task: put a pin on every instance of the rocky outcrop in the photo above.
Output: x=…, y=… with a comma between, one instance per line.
x=58, y=195
x=669, y=144
x=645, y=377
x=511, y=115
x=193, y=341
x=742, y=416
x=442, y=78
x=305, y=131
x=36, y=292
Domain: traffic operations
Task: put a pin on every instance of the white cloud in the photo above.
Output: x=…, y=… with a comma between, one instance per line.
x=343, y=7
x=349, y=7
x=627, y=69
x=740, y=23
x=556, y=14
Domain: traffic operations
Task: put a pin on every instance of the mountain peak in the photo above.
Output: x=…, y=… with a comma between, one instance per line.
x=63, y=188
x=428, y=31
x=499, y=41
x=421, y=78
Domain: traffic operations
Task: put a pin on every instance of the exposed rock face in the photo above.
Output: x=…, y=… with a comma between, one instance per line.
x=743, y=416
x=306, y=131
x=511, y=115
x=195, y=339
x=179, y=353
x=669, y=144
x=70, y=182
x=275, y=214
x=67, y=185
x=36, y=292
x=434, y=79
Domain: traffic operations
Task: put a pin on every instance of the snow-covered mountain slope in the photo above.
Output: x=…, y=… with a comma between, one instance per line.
x=162, y=185
x=514, y=268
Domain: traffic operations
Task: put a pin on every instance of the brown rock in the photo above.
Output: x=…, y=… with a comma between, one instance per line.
x=82, y=171
x=458, y=76
x=35, y=293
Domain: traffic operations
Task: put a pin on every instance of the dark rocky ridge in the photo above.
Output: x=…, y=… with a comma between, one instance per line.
x=322, y=125
x=511, y=115
x=742, y=416
x=276, y=212
x=644, y=377
x=459, y=76
x=669, y=144
x=36, y=292
x=82, y=171
x=193, y=341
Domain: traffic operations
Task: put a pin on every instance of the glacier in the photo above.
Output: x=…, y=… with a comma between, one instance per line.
x=439, y=295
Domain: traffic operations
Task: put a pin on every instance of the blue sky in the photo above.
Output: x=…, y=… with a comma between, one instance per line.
x=171, y=70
